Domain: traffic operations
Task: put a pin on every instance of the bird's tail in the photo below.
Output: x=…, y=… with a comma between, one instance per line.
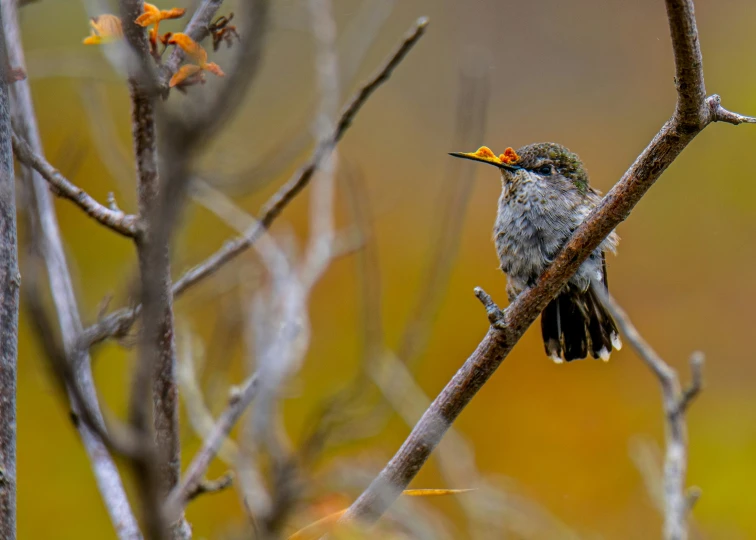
x=576, y=322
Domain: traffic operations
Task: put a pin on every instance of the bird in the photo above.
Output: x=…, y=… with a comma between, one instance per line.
x=545, y=196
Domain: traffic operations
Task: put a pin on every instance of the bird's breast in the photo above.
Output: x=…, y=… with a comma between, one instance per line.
x=531, y=225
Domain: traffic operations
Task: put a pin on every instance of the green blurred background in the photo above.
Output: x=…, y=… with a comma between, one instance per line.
x=595, y=75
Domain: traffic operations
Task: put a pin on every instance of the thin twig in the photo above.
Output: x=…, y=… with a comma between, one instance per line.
x=119, y=322
x=10, y=281
x=693, y=113
x=118, y=438
x=696, y=382
x=212, y=486
x=120, y=222
x=237, y=404
x=24, y=119
x=675, y=401
x=720, y=114
x=276, y=204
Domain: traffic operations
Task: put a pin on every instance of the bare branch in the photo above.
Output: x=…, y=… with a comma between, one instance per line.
x=198, y=414
x=124, y=224
x=495, y=315
x=237, y=404
x=276, y=204
x=212, y=486
x=720, y=114
x=696, y=383
x=692, y=495
x=140, y=64
x=155, y=369
x=120, y=321
x=118, y=438
x=690, y=117
x=10, y=281
x=660, y=368
x=24, y=120
x=676, y=502
x=689, y=76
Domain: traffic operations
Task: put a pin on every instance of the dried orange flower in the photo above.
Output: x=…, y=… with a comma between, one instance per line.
x=509, y=156
x=194, y=51
x=153, y=15
x=485, y=153
x=105, y=29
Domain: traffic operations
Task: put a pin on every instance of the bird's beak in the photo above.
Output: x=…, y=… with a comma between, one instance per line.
x=506, y=161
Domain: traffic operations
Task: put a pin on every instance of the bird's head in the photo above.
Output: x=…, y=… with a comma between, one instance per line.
x=534, y=161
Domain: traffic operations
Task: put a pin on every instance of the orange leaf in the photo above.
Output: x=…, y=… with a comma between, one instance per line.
x=433, y=492
x=105, y=29
x=214, y=68
x=181, y=75
x=153, y=15
x=150, y=16
x=173, y=13
x=189, y=46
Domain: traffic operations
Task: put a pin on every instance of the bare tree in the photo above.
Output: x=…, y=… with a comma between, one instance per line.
x=163, y=176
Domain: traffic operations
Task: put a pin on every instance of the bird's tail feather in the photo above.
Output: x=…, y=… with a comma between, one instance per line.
x=575, y=323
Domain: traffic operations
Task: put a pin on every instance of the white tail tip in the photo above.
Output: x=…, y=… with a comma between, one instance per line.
x=616, y=342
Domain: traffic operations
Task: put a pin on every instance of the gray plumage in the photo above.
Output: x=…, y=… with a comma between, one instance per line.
x=541, y=205
x=545, y=197
x=538, y=212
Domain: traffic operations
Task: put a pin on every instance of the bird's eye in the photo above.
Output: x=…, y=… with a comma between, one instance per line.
x=545, y=169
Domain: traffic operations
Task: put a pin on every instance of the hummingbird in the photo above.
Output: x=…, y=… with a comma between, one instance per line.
x=545, y=196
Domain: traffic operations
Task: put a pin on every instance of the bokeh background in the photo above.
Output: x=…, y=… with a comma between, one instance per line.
x=595, y=75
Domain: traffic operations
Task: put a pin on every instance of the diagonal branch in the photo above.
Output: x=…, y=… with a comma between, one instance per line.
x=120, y=222
x=693, y=113
x=276, y=204
x=237, y=404
x=675, y=401
x=119, y=322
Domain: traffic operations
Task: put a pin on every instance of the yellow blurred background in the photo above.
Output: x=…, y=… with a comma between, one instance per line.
x=594, y=75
